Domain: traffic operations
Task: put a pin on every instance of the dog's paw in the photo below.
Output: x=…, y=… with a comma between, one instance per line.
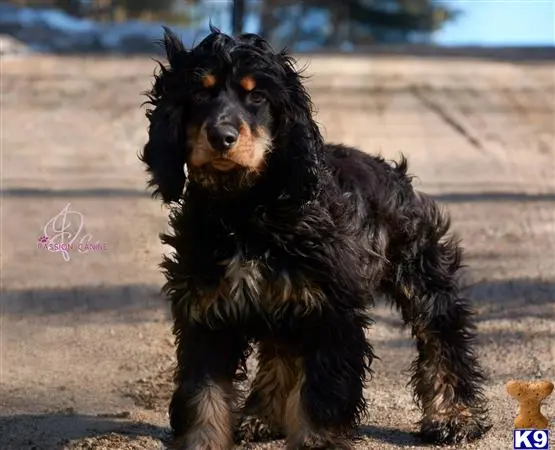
x=455, y=429
x=319, y=444
x=323, y=441
x=253, y=429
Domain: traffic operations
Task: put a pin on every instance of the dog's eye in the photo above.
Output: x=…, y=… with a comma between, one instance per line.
x=202, y=96
x=256, y=97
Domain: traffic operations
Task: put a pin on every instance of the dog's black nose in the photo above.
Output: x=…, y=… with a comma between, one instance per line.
x=222, y=137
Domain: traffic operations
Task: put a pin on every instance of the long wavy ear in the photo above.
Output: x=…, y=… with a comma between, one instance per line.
x=164, y=154
x=298, y=133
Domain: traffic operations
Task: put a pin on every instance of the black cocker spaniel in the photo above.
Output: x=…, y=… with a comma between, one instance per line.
x=284, y=241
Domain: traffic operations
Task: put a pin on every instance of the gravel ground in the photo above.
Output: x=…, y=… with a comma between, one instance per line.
x=86, y=349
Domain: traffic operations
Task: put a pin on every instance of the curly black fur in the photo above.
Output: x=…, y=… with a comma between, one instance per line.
x=292, y=260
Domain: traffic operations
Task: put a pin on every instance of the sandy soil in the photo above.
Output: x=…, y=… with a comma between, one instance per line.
x=86, y=349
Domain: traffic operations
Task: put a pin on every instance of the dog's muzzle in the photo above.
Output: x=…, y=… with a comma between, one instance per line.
x=222, y=137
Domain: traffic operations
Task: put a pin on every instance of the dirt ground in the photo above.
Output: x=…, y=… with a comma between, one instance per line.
x=86, y=349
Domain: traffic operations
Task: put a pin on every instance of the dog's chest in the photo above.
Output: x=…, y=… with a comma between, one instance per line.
x=237, y=270
x=243, y=278
x=252, y=285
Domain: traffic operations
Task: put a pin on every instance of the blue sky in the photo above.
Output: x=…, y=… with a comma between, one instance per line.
x=501, y=22
x=482, y=22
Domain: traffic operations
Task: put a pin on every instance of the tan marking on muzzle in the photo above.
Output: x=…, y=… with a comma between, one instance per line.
x=201, y=152
x=251, y=147
x=248, y=152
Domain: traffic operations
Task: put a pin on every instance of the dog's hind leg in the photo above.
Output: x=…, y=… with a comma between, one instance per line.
x=446, y=377
x=201, y=407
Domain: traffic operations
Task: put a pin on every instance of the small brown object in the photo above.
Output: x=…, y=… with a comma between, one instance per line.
x=530, y=395
x=248, y=83
x=208, y=81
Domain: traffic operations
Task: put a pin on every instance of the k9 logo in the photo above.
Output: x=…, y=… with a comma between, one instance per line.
x=531, y=439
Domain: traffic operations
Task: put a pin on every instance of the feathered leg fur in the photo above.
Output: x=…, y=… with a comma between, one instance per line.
x=446, y=376
x=326, y=405
x=201, y=407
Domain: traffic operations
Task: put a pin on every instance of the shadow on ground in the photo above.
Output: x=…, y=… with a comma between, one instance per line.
x=60, y=430
x=73, y=193
x=512, y=298
x=79, y=432
x=471, y=197
x=450, y=197
x=391, y=436
x=89, y=302
x=527, y=55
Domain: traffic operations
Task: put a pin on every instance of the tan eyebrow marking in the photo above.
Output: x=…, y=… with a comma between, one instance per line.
x=248, y=83
x=208, y=81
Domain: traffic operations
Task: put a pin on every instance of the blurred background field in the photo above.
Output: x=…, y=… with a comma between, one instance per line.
x=310, y=25
x=464, y=89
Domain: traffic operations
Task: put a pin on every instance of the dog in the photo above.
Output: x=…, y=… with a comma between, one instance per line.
x=283, y=241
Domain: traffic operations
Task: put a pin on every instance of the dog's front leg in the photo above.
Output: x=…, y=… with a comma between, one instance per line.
x=326, y=403
x=200, y=410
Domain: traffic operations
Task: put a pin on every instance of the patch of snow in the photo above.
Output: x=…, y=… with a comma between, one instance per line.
x=51, y=30
x=58, y=20
x=11, y=46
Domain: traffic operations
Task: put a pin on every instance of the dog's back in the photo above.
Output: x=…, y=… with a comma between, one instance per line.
x=368, y=175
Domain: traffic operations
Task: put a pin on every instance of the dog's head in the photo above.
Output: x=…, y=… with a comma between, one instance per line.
x=219, y=113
